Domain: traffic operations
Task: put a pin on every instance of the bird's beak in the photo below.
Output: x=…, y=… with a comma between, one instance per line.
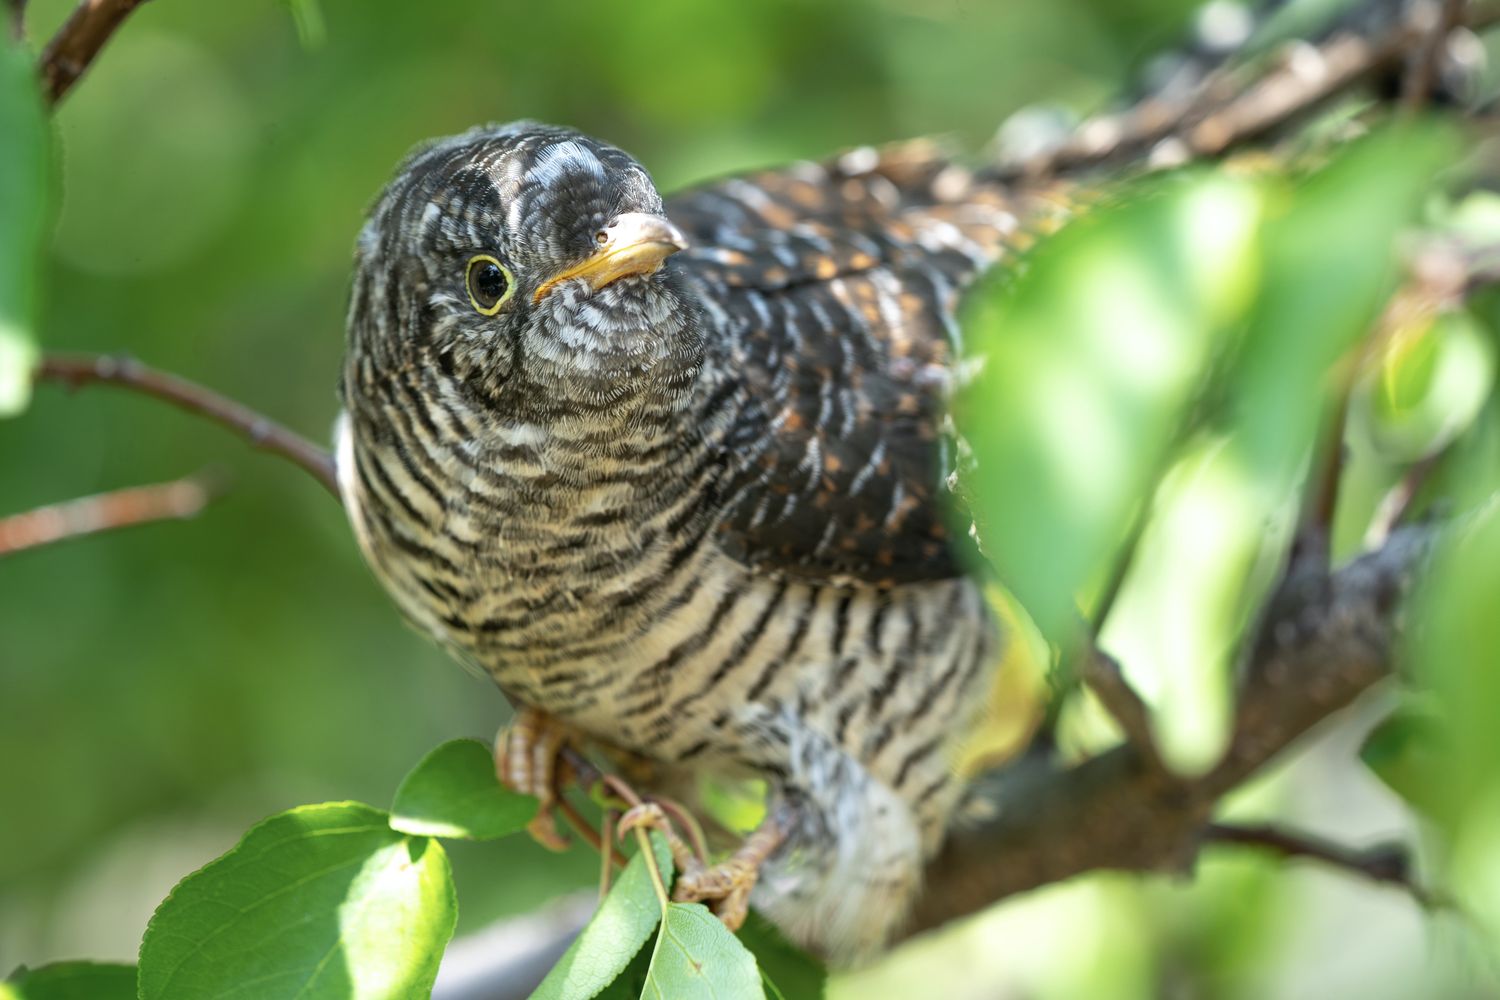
x=635, y=243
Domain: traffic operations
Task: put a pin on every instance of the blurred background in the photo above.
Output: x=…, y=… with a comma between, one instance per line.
x=163, y=688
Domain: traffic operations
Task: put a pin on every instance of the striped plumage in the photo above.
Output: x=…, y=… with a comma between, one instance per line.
x=694, y=513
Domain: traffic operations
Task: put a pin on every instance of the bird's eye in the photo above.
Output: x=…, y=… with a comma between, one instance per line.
x=489, y=283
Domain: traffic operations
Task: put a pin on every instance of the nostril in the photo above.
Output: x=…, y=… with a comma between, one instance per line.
x=601, y=237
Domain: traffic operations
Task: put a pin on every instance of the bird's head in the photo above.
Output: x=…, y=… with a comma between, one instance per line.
x=524, y=266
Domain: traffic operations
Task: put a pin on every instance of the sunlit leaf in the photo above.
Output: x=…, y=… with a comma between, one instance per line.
x=1456, y=655
x=1427, y=387
x=697, y=957
x=322, y=901
x=622, y=924
x=25, y=196
x=1184, y=604
x=453, y=792
x=1329, y=262
x=1406, y=367
x=1090, y=361
x=1225, y=512
x=72, y=981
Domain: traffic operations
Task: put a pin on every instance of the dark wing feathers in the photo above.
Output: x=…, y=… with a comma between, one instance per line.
x=832, y=289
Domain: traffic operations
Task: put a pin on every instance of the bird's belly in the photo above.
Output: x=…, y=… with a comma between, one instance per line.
x=677, y=652
x=741, y=669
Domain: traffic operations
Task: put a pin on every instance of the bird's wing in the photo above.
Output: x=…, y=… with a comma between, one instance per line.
x=831, y=290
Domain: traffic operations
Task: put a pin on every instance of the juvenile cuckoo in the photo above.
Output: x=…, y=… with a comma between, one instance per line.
x=671, y=472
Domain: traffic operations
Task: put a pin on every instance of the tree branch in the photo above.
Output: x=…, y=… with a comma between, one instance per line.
x=1104, y=676
x=78, y=42
x=176, y=500
x=1440, y=17
x=1387, y=863
x=262, y=432
x=1326, y=638
x=1222, y=111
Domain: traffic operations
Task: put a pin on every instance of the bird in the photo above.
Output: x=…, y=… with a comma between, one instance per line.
x=672, y=471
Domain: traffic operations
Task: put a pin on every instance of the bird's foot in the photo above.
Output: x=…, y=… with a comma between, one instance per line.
x=724, y=887
x=528, y=760
x=651, y=816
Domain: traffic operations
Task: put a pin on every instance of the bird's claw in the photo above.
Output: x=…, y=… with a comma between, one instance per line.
x=527, y=760
x=650, y=816
x=724, y=887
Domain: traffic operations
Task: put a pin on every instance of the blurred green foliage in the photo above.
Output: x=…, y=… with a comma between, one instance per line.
x=25, y=205
x=164, y=688
x=1151, y=388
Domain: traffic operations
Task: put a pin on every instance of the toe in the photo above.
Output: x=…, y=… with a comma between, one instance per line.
x=543, y=830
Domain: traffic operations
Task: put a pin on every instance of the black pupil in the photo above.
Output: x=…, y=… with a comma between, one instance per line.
x=489, y=283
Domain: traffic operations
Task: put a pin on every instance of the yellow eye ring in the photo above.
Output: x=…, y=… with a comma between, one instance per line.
x=489, y=284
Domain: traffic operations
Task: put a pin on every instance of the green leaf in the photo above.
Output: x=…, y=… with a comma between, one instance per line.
x=307, y=15
x=623, y=923
x=322, y=901
x=629, y=984
x=788, y=971
x=1407, y=366
x=1328, y=263
x=1188, y=596
x=1454, y=654
x=1091, y=360
x=1222, y=514
x=25, y=207
x=1407, y=749
x=696, y=956
x=1427, y=386
x=72, y=981
x=453, y=792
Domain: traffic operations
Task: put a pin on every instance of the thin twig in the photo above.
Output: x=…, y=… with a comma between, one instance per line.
x=606, y=858
x=1103, y=675
x=1395, y=508
x=1314, y=538
x=1119, y=570
x=79, y=41
x=17, y=19
x=584, y=829
x=1135, y=533
x=176, y=500
x=262, y=432
x=1388, y=863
